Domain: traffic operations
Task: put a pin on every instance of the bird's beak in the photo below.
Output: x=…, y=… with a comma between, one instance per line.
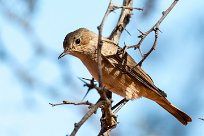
x=62, y=54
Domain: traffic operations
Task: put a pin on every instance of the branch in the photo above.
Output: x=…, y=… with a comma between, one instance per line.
x=126, y=7
x=73, y=103
x=85, y=117
x=155, y=28
x=151, y=49
x=100, y=42
x=106, y=110
x=122, y=21
x=108, y=119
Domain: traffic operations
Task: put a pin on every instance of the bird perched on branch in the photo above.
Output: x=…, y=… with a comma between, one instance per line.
x=120, y=73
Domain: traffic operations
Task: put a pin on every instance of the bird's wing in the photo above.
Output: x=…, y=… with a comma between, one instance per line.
x=127, y=64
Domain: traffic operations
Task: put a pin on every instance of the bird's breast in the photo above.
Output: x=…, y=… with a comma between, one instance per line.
x=114, y=79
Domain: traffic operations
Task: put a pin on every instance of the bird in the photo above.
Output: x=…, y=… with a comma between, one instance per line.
x=120, y=73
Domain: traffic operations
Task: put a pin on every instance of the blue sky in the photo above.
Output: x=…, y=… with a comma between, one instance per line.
x=25, y=111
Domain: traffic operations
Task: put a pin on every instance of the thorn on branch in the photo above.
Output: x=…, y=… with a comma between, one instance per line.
x=90, y=85
x=99, y=27
x=127, y=31
x=122, y=21
x=155, y=28
x=138, y=45
x=140, y=32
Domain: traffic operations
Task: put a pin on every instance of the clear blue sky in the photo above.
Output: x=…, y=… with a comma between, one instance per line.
x=25, y=111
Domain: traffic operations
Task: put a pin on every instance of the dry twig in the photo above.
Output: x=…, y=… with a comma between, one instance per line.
x=155, y=28
x=85, y=117
x=126, y=7
x=73, y=103
x=122, y=21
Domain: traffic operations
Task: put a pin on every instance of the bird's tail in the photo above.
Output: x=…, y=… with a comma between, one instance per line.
x=177, y=113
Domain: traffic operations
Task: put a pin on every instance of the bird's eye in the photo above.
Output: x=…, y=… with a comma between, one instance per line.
x=77, y=41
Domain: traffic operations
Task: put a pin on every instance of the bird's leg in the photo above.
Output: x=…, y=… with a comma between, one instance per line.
x=119, y=105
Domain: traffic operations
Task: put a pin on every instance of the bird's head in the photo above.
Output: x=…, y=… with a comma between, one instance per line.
x=82, y=41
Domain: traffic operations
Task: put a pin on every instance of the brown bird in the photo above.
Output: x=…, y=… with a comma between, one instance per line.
x=121, y=74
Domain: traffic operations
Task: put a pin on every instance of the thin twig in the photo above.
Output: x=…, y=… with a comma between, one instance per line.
x=100, y=90
x=126, y=7
x=85, y=117
x=154, y=28
x=151, y=49
x=73, y=103
x=100, y=43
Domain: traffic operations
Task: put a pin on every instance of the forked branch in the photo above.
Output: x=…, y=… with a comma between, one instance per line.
x=155, y=28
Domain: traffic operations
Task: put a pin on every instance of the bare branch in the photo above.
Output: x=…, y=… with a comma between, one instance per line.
x=108, y=119
x=154, y=28
x=122, y=21
x=100, y=42
x=151, y=49
x=126, y=7
x=73, y=103
x=85, y=117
